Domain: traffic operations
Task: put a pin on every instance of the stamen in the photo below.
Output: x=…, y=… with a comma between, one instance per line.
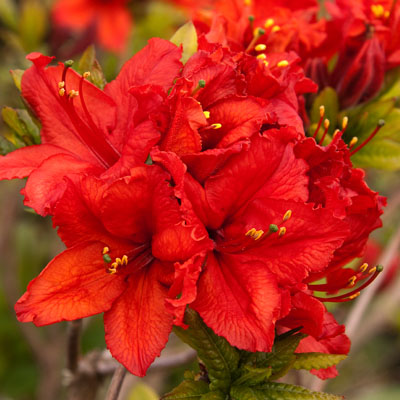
x=321, y=118
x=86, y=74
x=216, y=126
x=353, y=142
x=287, y=215
x=282, y=231
x=276, y=28
x=118, y=261
x=61, y=92
x=247, y=2
x=352, y=281
x=124, y=260
x=206, y=114
x=326, y=126
x=61, y=84
x=260, y=47
x=378, y=10
x=266, y=63
x=106, y=250
x=363, y=267
x=381, y=123
x=258, y=234
x=256, y=35
x=269, y=22
x=345, y=121
x=335, y=133
x=354, y=293
x=251, y=232
x=73, y=93
x=261, y=56
x=282, y=64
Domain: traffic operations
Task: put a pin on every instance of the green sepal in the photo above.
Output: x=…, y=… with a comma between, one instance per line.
x=6, y=146
x=186, y=36
x=188, y=389
x=278, y=391
x=310, y=361
x=21, y=125
x=219, y=357
x=89, y=63
x=16, y=75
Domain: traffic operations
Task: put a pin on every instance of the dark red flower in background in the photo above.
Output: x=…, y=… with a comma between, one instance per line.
x=110, y=19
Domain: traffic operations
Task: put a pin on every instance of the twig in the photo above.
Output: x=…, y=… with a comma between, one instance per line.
x=116, y=383
x=73, y=344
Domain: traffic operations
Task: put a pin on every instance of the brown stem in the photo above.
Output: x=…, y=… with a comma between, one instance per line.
x=116, y=383
x=73, y=344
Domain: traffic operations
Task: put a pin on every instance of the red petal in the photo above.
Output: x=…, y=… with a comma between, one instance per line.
x=239, y=301
x=69, y=287
x=20, y=163
x=138, y=325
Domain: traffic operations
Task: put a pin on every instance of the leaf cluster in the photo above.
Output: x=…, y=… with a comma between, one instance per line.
x=230, y=373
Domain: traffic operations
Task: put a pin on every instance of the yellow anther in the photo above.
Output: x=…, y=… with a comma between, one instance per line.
x=287, y=215
x=353, y=141
x=258, y=32
x=261, y=47
x=386, y=14
x=282, y=231
x=73, y=93
x=345, y=121
x=251, y=232
x=354, y=295
x=261, y=56
x=266, y=63
x=112, y=271
x=114, y=265
x=124, y=260
x=364, y=267
x=321, y=111
x=269, y=22
x=216, y=126
x=336, y=133
x=258, y=234
x=61, y=92
x=372, y=270
x=276, y=28
x=61, y=84
x=247, y=2
x=326, y=123
x=106, y=250
x=86, y=74
x=118, y=261
x=378, y=10
x=206, y=114
x=352, y=281
x=283, y=63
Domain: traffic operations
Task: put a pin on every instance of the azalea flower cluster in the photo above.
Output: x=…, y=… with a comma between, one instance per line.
x=348, y=45
x=192, y=186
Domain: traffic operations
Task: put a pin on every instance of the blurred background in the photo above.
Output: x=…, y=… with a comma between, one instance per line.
x=33, y=361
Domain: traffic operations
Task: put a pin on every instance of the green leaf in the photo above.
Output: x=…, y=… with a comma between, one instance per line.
x=187, y=37
x=253, y=376
x=329, y=99
x=33, y=22
x=281, y=357
x=16, y=75
x=191, y=390
x=278, y=391
x=21, y=124
x=219, y=357
x=89, y=63
x=310, y=361
x=142, y=391
x=216, y=395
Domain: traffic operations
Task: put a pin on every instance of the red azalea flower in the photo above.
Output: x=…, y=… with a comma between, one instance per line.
x=86, y=130
x=111, y=19
x=123, y=241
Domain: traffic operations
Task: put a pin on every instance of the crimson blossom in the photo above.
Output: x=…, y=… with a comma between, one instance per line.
x=238, y=215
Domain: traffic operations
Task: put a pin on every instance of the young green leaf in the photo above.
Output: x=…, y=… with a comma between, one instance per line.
x=215, y=395
x=310, y=361
x=219, y=357
x=187, y=37
x=278, y=391
x=89, y=63
x=16, y=75
x=253, y=376
x=188, y=390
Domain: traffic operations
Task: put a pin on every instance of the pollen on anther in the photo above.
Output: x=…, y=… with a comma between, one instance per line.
x=261, y=56
x=247, y=2
x=326, y=123
x=364, y=267
x=216, y=126
x=106, y=250
x=261, y=47
x=73, y=93
x=276, y=28
x=124, y=260
x=282, y=231
x=86, y=74
x=61, y=84
x=266, y=63
x=251, y=232
x=61, y=92
x=206, y=114
x=321, y=111
x=345, y=122
x=283, y=63
x=354, y=295
x=353, y=141
x=352, y=281
x=118, y=261
x=287, y=215
x=258, y=234
x=269, y=22
x=372, y=270
x=378, y=10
